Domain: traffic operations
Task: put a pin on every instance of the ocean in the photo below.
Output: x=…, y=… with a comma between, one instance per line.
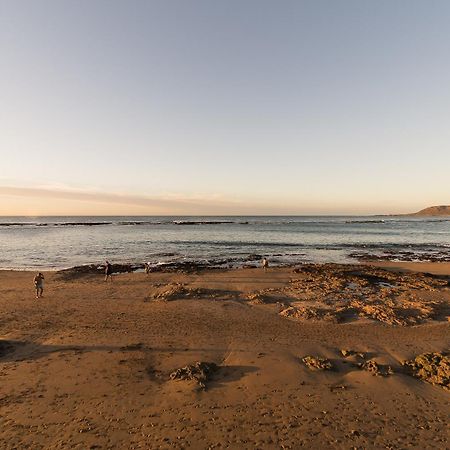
x=51, y=243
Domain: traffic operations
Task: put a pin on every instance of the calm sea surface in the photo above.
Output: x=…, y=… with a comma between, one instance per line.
x=60, y=242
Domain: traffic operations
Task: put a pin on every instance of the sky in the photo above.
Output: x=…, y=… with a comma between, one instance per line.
x=223, y=107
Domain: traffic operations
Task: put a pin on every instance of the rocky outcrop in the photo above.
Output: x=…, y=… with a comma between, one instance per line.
x=433, y=368
x=341, y=293
x=199, y=372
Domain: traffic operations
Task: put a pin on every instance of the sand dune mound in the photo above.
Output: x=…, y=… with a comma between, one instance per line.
x=178, y=291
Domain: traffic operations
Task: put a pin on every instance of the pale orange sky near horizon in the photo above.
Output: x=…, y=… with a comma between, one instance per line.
x=193, y=107
x=19, y=201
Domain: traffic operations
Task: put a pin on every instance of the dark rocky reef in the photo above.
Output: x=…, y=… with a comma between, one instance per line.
x=402, y=255
x=96, y=269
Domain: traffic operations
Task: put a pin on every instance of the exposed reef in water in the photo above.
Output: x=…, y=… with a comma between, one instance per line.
x=402, y=255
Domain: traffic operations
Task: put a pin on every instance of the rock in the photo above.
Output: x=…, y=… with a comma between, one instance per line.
x=261, y=297
x=434, y=368
x=376, y=369
x=310, y=313
x=254, y=257
x=200, y=372
x=317, y=362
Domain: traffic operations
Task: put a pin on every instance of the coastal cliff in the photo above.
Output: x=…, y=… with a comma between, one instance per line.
x=442, y=210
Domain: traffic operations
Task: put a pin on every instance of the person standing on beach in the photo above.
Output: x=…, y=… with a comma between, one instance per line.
x=108, y=271
x=265, y=264
x=39, y=285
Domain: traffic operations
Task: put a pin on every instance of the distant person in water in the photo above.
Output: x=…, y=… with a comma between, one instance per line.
x=39, y=285
x=265, y=264
x=108, y=271
x=147, y=267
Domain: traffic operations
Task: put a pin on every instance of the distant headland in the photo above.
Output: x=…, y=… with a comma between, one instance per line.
x=442, y=210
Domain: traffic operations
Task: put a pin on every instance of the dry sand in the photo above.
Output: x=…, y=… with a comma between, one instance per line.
x=88, y=366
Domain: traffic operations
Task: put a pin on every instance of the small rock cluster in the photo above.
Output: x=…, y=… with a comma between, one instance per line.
x=376, y=369
x=433, y=368
x=317, y=363
x=200, y=372
x=310, y=313
x=263, y=296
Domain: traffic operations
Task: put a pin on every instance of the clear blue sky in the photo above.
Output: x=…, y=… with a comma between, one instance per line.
x=242, y=106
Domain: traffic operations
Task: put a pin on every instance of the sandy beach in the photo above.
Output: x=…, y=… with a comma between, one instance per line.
x=89, y=365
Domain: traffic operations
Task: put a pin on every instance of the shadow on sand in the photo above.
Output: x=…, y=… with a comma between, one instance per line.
x=13, y=350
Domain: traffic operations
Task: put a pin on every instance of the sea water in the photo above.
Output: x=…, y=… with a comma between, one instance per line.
x=59, y=242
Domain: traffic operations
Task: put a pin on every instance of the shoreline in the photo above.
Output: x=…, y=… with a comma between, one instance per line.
x=432, y=267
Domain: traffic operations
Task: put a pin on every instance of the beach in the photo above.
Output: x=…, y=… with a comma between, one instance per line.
x=224, y=225
x=94, y=364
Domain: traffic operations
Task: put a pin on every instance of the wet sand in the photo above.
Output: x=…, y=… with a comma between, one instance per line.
x=88, y=366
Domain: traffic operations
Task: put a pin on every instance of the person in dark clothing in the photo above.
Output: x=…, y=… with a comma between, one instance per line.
x=108, y=271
